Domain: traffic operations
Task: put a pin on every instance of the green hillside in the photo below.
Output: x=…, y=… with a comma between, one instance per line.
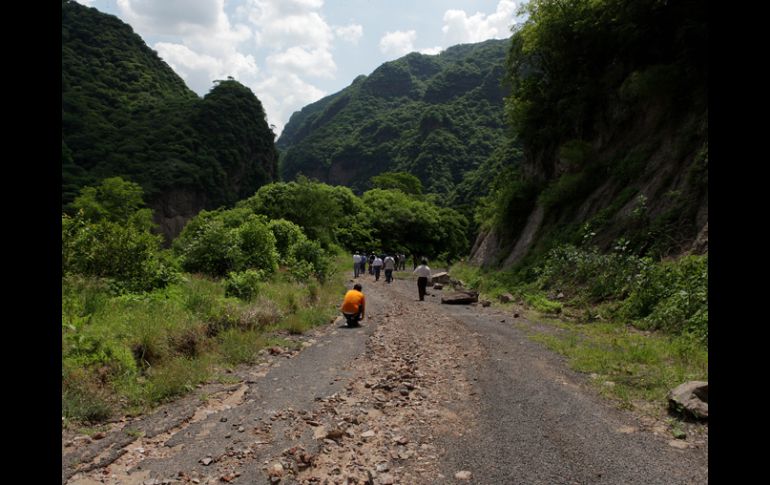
x=126, y=113
x=437, y=117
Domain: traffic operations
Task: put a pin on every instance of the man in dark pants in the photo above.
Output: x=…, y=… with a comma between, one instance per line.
x=423, y=274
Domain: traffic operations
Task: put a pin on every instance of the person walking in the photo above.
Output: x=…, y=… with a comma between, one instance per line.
x=356, y=264
x=423, y=273
x=377, y=266
x=389, y=265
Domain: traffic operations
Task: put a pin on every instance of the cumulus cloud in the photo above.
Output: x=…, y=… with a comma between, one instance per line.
x=199, y=69
x=431, y=50
x=299, y=60
x=87, y=3
x=461, y=28
x=350, y=33
x=172, y=17
x=398, y=43
x=283, y=94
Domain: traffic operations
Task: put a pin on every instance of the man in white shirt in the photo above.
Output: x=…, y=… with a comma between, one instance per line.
x=377, y=266
x=423, y=274
x=356, y=265
x=389, y=265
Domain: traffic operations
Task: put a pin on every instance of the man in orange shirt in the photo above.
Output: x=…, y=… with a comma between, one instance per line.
x=354, y=306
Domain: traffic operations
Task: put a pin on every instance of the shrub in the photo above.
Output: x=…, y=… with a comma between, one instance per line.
x=244, y=284
x=286, y=235
x=672, y=296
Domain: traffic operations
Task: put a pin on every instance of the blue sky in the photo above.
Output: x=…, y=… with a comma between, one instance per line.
x=294, y=52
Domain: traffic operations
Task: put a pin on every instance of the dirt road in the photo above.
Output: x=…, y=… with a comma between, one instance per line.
x=422, y=393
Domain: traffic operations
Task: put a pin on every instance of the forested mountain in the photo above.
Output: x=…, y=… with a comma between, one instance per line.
x=126, y=113
x=610, y=102
x=437, y=117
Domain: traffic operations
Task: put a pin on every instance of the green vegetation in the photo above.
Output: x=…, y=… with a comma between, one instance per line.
x=627, y=366
x=141, y=324
x=437, y=118
x=639, y=325
x=608, y=137
x=126, y=113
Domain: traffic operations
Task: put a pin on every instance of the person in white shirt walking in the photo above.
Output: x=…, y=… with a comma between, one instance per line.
x=377, y=266
x=423, y=273
x=356, y=265
x=389, y=265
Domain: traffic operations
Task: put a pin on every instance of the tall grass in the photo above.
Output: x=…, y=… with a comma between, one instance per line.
x=127, y=353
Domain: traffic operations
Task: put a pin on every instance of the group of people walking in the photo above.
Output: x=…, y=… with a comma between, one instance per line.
x=378, y=263
x=354, y=303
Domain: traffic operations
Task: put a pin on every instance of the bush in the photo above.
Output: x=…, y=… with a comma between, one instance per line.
x=219, y=242
x=286, y=235
x=589, y=273
x=244, y=284
x=307, y=258
x=672, y=296
x=105, y=249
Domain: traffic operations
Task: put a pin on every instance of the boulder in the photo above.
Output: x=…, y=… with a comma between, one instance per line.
x=461, y=298
x=692, y=398
x=442, y=278
x=438, y=286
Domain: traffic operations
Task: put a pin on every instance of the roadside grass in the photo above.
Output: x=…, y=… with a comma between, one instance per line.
x=629, y=360
x=126, y=354
x=626, y=365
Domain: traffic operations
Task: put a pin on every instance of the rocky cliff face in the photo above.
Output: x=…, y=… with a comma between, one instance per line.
x=647, y=183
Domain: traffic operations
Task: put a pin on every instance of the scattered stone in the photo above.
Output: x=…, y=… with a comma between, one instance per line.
x=463, y=475
x=441, y=278
x=319, y=433
x=206, y=461
x=438, y=286
x=515, y=315
x=386, y=479
x=335, y=434
x=505, y=298
x=560, y=296
x=98, y=436
x=691, y=398
x=485, y=303
x=627, y=429
x=222, y=420
x=382, y=467
x=460, y=298
x=682, y=445
x=368, y=434
x=276, y=470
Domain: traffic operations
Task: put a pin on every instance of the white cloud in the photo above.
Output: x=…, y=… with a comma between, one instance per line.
x=460, y=28
x=209, y=45
x=398, y=43
x=431, y=50
x=281, y=24
x=281, y=95
x=87, y=3
x=308, y=30
x=314, y=62
x=350, y=33
x=199, y=69
x=171, y=17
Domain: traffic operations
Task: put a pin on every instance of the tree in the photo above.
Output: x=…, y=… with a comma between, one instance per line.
x=403, y=181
